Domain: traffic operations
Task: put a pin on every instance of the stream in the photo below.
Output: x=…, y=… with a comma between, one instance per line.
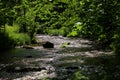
x=55, y=63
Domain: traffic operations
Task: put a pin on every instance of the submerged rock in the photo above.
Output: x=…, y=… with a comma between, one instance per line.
x=48, y=45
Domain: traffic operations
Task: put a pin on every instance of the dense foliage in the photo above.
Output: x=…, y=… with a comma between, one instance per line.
x=101, y=22
x=98, y=20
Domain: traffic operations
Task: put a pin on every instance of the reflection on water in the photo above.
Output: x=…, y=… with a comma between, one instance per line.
x=20, y=53
x=20, y=63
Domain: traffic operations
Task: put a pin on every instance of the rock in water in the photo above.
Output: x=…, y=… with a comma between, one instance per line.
x=48, y=45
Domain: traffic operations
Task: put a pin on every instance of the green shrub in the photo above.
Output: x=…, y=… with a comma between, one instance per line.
x=62, y=31
x=19, y=38
x=12, y=29
x=116, y=45
x=54, y=32
x=77, y=30
x=79, y=76
x=65, y=44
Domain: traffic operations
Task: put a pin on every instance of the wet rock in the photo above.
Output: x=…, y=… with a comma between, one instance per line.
x=28, y=56
x=28, y=47
x=48, y=45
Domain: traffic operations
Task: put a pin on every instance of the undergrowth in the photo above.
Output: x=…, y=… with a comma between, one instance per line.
x=18, y=38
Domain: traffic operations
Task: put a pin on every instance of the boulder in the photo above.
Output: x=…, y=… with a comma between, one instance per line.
x=48, y=45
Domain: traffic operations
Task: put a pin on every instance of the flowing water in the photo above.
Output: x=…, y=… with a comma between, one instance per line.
x=55, y=63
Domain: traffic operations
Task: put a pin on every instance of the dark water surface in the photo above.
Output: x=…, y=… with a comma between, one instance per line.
x=11, y=55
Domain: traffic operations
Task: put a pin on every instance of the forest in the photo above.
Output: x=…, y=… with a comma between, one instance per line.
x=95, y=20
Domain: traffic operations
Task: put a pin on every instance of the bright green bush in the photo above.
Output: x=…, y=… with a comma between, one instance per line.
x=11, y=29
x=19, y=38
x=77, y=30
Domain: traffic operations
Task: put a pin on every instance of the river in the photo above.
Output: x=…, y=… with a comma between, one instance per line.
x=55, y=63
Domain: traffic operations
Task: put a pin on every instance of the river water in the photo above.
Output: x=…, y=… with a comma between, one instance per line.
x=38, y=63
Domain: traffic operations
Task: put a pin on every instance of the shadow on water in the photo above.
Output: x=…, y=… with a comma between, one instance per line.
x=77, y=67
x=104, y=67
x=20, y=53
x=76, y=49
x=15, y=63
